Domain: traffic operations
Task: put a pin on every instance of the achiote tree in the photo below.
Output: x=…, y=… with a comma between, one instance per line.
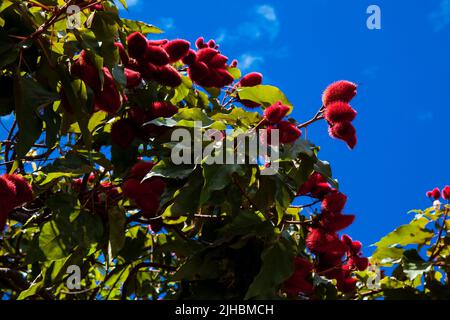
x=90, y=183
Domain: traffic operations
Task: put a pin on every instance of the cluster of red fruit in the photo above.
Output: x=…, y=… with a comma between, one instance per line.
x=14, y=191
x=145, y=193
x=125, y=130
x=436, y=194
x=336, y=257
x=273, y=116
x=338, y=112
x=106, y=97
x=97, y=197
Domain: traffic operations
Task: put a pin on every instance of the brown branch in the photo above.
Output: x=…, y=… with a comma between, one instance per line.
x=438, y=248
x=317, y=117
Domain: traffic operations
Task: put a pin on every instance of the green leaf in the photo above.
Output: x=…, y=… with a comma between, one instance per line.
x=142, y=27
x=264, y=94
x=117, y=221
x=218, y=177
x=54, y=239
x=166, y=169
x=413, y=265
x=277, y=267
x=412, y=233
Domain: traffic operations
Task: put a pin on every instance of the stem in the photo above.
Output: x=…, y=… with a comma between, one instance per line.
x=438, y=248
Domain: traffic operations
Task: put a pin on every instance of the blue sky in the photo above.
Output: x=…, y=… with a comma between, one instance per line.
x=301, y=46
x=404, y=76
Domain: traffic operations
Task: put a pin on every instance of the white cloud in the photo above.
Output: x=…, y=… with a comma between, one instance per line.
x=131, y=3
x=167, y=23
x=441, y=16
x=247, y=61
x=268, y=12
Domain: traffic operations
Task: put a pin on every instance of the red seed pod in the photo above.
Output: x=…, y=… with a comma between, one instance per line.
x=335, y=222
x=190, y=58
x=276, y=112
x=218, y=61
x=158, y=43
x=137, y=45
x=109, y=99
x=347, y=285
x=200, y=43
x=289, y=133
x=157, y=55
x=360, y=263
x=446, y=193
x=133, y=78
x=162, y=109
x=334, y=202
x=23, y=190
x=321, y=241
x=198, y=71
x=234, y=64
x=252, y=79
x=344, y=131
x=339, y=91
x=122, y=53
x=300, y=281
x=149, y=204
x=206, y=55
x=132, y=188
x=212, y=44
x=168, y=76
x=138, y=116
x=339, y=111
x=177, y=49
x=436, y=194
x=123, y=133
x=141, y=169
x=84, y=69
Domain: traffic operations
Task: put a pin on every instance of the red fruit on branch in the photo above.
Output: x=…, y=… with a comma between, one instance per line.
x=132, y=188
x=137, y=45
x=84, y=69
x=162, y=109
x=168, y=76
x=133, y=78
x=200, y=43
x=446, y=193
x=339, y=91
x=347, y=285
x=344, y=131
x=108, y=99
x=276, y=112
x=23, y=190
x=300, y=281
x=334, y=202
x=149, y=204
x=123, y=133
x=190, y=58
x=289, y=133
x=157, y=55
x=122, y=53
x=316, y=186
x=252, y=79
x=335, y=222
x=321, y=241
x=435, y=194
x=339, y=111
x=360, y=263
x=141, y=169
x=177, y=49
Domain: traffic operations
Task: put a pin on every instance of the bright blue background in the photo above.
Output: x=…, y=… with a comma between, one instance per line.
x=403, y=71
x=301, y=46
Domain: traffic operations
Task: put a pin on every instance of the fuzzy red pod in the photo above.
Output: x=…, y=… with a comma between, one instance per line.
x=141, y=169
x=97, y=7
x=84, y=69
x=168, y=76
x=162, y=109
x=446, y=193
x=339, y=111
x=316, y=185
x=122, y=53
x=300, y=281
x=289, y=133
x=429, y=194
x=158, y=43
x=335, y=222
x=157, y=55
x=123, y=133
x=8, y=194
x=137, y=45
x=436, y=194
x=212, y=44
x=200, y=43
x=132, y=188
x=134, y=78
x=138, y=116
x=344, y=131
x=218, y=61
x=334, y=202
x=156, y=226
x=224, y=78
x=321, y=241
x=23, y=190
x=149, y=205
x=251, y=79
x=360, y=263
x=198, y=71
x=276, y=112
x=190, y=58
x=347, y=285
x=339, y=91
x=207, y=54
x=108, y=99
x=154, y=185
x=177, y=49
